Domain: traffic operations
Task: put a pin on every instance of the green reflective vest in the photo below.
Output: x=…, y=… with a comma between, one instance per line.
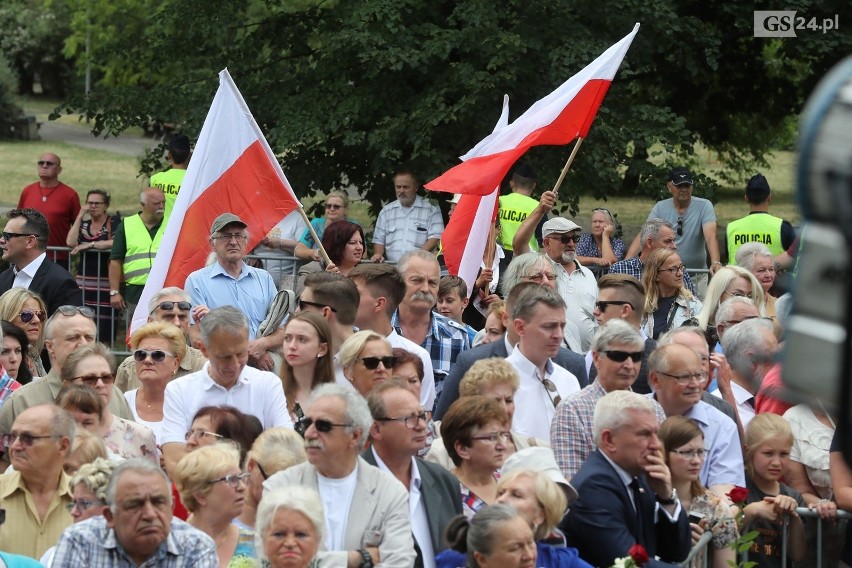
x=169, y=181
x=514, y=208
x=761, y=227
x=141, y=249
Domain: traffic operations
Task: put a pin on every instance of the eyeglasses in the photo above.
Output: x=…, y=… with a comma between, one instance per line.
x=551, y=388
x=542, y=276
x=232, y=236
x=493, y=438
x=737, y=294
x=674, y=269
x=690, y=454
x=621, y=356
x=157, y=355
x=321, y=425
x=410, y=422
x=303, y=303
x=372, y=363
x=84, y=505
x=84, y=311
x=9, y=236
x=28, y=315
x=261, y=470
x=27, y=440
x=687, y=378
x=169, y=306
x=95, y=203
x=92, y=380
x=746, y=318
x=602, y=305
x=680, y=226
x=333, y=206
x=46, y=163
x=233, y=479
x=200, y=434
x=565, y=239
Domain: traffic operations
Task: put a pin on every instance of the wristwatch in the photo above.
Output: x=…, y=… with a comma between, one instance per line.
x=113, y=293
x=671, y=500
x=366, y=559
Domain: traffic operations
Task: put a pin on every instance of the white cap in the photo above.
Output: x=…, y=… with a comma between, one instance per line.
x=559, y=225
x=540, y=459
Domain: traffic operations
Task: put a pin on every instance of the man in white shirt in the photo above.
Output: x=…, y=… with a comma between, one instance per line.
x=397, y=435
x=366, y=509
x=538, y=319
x=224, y=379
x=381, y=289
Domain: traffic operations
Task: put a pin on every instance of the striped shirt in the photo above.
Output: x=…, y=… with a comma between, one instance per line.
x=402, y=229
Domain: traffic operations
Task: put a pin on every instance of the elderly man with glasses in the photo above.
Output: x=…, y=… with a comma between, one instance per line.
x=69, y=328
x=229, y=281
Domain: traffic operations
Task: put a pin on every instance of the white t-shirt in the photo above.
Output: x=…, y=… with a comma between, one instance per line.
x=427, y=387
x=156, y=427
x=336, y=495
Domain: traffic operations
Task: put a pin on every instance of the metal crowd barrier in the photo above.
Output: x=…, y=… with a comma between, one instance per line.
x=700, y=552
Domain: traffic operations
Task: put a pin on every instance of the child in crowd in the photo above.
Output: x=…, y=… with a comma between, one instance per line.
x=452, y=300
x=770, y=502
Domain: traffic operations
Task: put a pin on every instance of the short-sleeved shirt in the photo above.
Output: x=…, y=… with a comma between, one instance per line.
x=60, y=206
x=24, y=533
x=766, y=548
x=290, y=227
x=580, y=291
x=588, y=247
x=402, y=229
x=691, y=243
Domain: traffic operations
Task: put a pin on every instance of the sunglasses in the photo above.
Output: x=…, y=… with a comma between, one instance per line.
x=169, y=306
x=602, y=305
x=261, y=470
x=303, y=303
x=46, y=163
x=28, y=315
x=551, y=388
x=84, y=311
x=372, y=363
x=92, y=380
x=95, y=203
x=9, y=236
x=233, y=479
x=565, y=239
x=321, y=425
x=333, y=206
x=621, y=356
x=680, y=226
x=157, y=355
x=26, y=440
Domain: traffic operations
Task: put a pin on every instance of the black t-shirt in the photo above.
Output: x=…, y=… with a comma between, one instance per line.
x=766, y=548
x=661, y=316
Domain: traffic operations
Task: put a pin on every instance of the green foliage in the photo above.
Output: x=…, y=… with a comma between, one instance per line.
x=346, y=91
x=9, y=111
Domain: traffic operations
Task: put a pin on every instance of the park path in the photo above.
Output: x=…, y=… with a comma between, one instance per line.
x=81, y=135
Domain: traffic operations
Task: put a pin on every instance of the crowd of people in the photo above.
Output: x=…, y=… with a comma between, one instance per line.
x=546, y=415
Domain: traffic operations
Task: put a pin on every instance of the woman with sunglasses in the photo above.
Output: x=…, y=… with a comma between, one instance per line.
x=600, y=247
x=366, y=358
x=308, y=361
x=475, y=432
x=344, y=243
x=91, y=236
x=158, y=348
x=668, y=303
x=27, y=311
x=275, y=450
x=683, y=444
x=93, y=365
x=336, y=209
x=213, y=488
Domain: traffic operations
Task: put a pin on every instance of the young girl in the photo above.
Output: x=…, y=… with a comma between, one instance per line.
x=768, y=442
x=308, y=360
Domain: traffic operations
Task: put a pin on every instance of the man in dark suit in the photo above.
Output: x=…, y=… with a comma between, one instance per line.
x=24, y=242
x=397, y=434
x=625, y=490
x=566, y=359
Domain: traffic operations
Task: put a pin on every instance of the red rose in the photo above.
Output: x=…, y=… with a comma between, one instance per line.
x=738, y=495
x=638, y=553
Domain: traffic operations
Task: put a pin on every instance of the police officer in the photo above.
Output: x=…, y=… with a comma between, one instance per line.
x=515, y=207
x=776, y=233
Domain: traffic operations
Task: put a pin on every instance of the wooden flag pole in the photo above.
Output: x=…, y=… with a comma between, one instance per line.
x=567, y=165
x=314, y=235
x=490, y=247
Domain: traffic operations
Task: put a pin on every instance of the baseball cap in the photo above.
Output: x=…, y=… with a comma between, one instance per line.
x=559, y=225
x=757, y=188
x=680, y=176
x=540, y=459
x=224, y=220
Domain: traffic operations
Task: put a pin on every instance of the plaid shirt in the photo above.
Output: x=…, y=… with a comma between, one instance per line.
x=7, y=385
x=444, y=342
x=572, y=433
x=92, y=544
x=633, y=267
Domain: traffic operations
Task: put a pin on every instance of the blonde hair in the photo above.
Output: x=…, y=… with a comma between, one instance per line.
x=341, y=195
x=161, y=330
x=86, y=447
x=549, y=495
x=718, y=284
x=95, y=476
x=486, y=373
x=195, y=470
x=277, y=449
x=352, y=347
x=761, y=429
x=12, y=302
x=651, y=272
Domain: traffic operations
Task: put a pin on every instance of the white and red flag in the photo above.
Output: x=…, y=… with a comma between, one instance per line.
x=232, y=170
x=473, y=216
x=557, y=119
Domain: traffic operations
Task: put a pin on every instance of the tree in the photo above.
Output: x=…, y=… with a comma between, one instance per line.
x=346, y=91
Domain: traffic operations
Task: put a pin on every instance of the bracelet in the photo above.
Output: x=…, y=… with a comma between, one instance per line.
x=715, y=262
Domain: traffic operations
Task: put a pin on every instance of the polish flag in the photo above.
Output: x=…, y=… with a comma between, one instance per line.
x=557, y=119
x=232, y=170
x=466, y=235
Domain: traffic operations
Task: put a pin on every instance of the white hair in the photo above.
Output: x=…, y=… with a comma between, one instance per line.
x=611, y=410
x=297, y=498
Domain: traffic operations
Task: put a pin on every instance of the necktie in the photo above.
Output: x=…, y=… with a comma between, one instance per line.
x=637, y=502
x=750, y=402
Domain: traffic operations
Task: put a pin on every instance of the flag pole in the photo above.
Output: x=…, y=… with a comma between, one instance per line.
x=490, y=247
x=567, y=165
x=314, y=236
